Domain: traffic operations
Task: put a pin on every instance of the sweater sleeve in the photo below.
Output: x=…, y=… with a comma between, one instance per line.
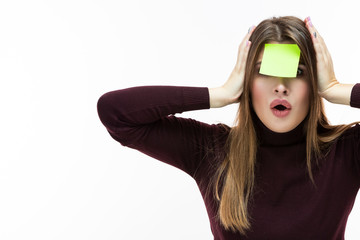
x=355, y=96
x=143, y=118
x=351, y=138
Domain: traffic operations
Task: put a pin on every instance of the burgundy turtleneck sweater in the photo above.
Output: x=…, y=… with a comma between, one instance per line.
x=286, y=205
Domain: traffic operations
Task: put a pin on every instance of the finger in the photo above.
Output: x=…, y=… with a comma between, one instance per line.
x=244, y=48
x=245, y=39
x=324, y=61
x=318, y=41
x=243, y=56
x=315, y=36
x=315, y=33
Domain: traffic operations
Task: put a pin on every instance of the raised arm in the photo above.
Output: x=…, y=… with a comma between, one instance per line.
x=142, y=118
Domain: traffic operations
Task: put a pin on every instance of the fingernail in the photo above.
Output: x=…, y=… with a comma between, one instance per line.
x=250, y=28
x=310, y=23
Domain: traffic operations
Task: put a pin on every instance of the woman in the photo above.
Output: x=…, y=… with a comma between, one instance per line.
x=282, y=172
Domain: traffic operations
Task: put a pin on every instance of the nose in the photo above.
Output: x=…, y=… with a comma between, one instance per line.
x=281, y=88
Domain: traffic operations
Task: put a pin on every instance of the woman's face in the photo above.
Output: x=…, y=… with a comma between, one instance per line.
x=280, y=103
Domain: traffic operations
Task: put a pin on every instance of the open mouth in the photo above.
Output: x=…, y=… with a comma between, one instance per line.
x=280, y=107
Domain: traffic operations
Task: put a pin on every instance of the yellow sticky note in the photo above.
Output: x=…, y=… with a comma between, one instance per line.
x=280, y=60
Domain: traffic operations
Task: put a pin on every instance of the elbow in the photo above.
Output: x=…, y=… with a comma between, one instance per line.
x=110, y=116
x=104, y=109
x=109, y=112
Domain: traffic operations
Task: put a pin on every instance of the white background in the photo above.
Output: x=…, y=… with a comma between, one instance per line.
x=61, y=174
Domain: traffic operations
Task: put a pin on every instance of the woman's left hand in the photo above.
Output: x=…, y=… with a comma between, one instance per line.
x=328, y=87
x=325, y=69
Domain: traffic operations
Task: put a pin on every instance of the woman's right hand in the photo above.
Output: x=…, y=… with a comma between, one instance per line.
x=232, y=89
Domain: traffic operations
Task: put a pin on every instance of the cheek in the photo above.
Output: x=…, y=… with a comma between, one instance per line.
x=257, y=92
x=303, y=93
x=303, y=88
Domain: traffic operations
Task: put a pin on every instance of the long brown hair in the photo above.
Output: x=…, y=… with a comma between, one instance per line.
x=233, y=181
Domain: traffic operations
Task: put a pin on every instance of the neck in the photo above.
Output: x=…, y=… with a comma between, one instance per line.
x=268, y=137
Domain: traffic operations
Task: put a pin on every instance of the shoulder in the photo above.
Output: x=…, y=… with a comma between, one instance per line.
x=349, y=140
x=340, y=137
x=352, y=132
x=339, y=132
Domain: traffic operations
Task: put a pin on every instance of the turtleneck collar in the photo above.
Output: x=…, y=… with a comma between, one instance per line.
x=268, y=137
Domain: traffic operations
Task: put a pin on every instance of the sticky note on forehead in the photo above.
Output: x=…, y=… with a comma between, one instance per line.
x=280, y=60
